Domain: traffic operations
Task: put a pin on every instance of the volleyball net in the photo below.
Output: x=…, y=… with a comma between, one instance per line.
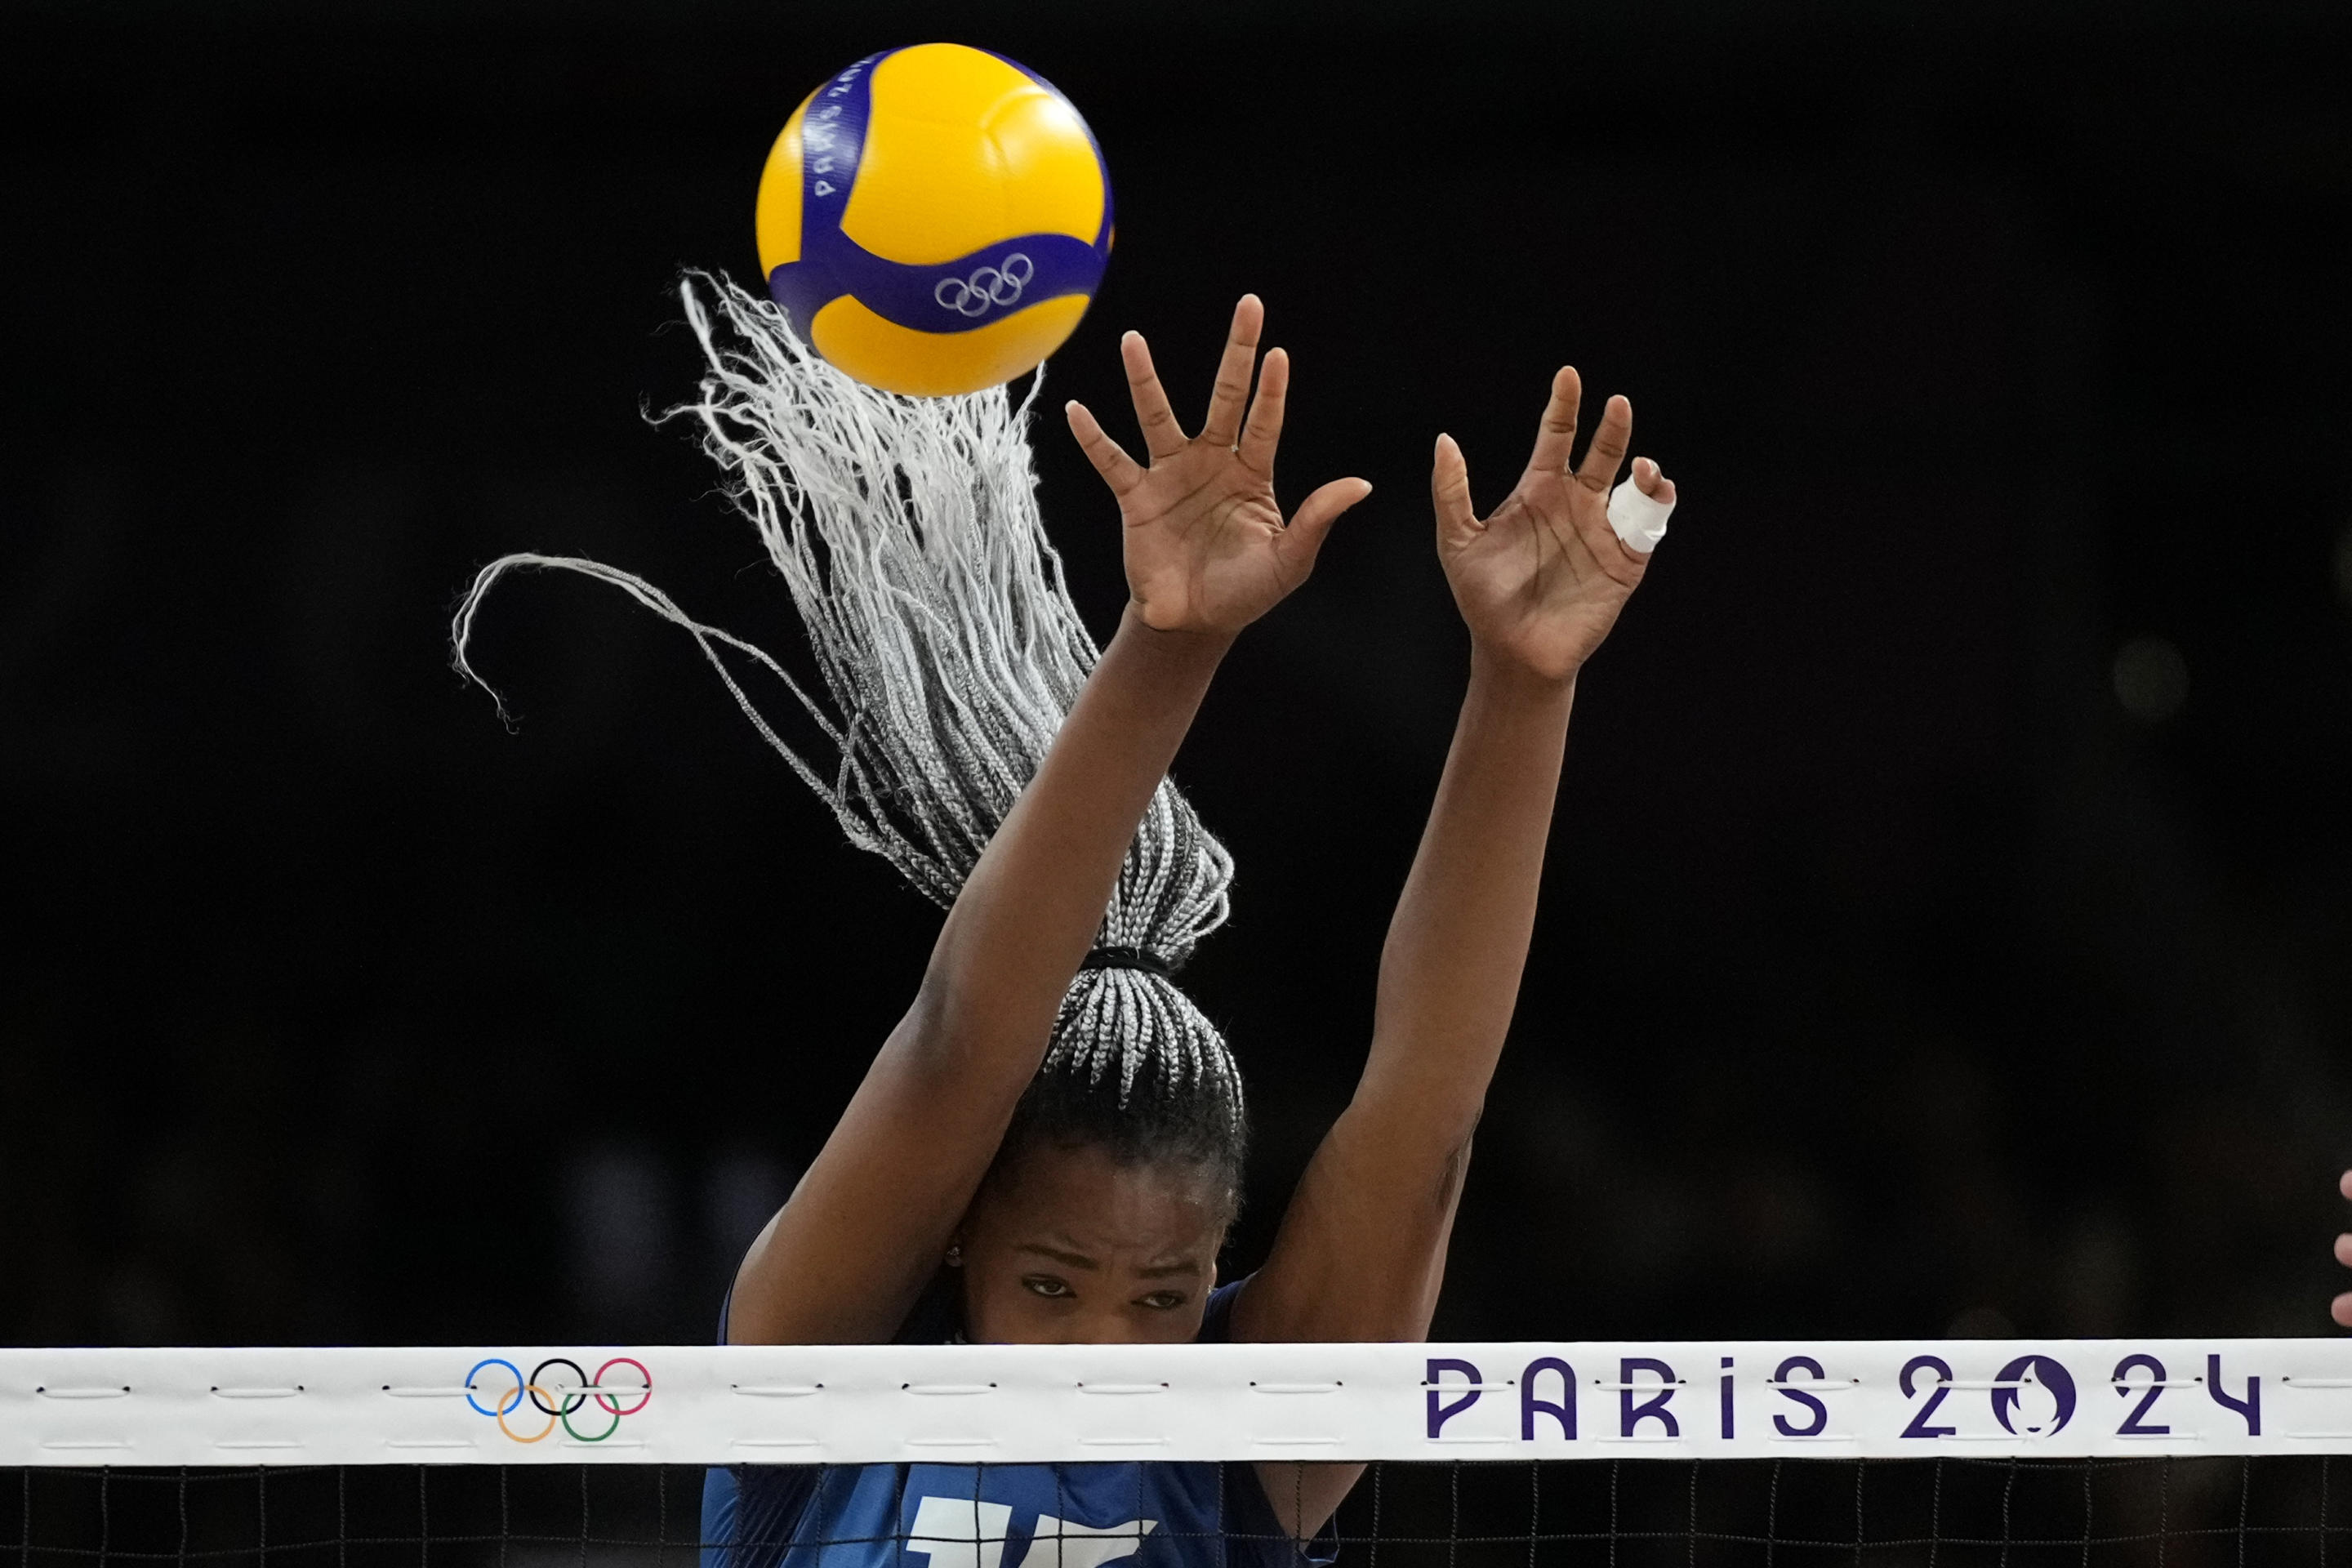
x=1475, y=1455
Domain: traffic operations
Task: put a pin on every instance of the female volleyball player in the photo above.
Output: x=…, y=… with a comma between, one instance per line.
x=1087, y=1202
x=1049, y=1147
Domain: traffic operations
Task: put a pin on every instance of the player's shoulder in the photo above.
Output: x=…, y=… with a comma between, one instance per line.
x=1217, y=1317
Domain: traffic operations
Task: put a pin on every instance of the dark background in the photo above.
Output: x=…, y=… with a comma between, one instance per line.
x=1946, y=927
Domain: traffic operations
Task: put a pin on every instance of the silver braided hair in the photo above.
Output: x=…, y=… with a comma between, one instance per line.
x=908, y=534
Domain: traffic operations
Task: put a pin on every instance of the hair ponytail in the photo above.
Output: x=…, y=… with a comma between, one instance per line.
x=948, y=651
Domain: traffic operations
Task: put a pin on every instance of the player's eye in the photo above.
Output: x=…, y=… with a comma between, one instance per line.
x=1045, y=1285
x=1163, y=1300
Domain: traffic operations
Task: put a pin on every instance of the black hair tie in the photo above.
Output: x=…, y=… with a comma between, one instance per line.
x=1127, y=958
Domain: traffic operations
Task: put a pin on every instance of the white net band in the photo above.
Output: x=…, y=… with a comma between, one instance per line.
x=1039, y=1404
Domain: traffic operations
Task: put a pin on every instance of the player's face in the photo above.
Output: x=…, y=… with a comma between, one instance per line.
x=1069, y=1246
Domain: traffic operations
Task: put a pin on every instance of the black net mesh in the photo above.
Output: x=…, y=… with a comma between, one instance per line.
x=1948, y=1511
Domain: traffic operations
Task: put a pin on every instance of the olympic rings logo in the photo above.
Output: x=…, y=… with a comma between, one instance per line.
x=561, y=1399
x=989, y=286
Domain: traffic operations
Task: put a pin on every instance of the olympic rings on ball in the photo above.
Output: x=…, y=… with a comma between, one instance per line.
x=557, y=1400
x=996, y=285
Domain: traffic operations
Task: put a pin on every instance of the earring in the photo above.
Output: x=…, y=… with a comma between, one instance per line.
x=955, y=1255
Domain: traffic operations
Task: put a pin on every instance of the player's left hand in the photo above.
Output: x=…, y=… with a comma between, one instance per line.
x=2341, y=1309
x=1540, y=581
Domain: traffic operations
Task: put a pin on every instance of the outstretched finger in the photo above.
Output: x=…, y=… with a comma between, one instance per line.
x=2342, y=1309
x=1233, y=373
x=1449, y=491
x=1110, y=460
x=1556, y=436
x=1262, y=434
x=1607, y=453
x=1162, y=437
x=1303, y=539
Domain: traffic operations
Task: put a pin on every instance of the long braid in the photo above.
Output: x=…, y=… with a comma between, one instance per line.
x=907, y=533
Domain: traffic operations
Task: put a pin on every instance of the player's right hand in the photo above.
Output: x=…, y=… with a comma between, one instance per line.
x=1206, y=546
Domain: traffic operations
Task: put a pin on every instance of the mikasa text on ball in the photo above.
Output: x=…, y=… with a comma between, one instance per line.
x=934, y=219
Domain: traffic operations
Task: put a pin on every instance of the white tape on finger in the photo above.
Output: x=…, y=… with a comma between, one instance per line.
x=1639, y=520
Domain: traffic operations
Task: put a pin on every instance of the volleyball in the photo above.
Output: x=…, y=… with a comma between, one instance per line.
x=934, y=219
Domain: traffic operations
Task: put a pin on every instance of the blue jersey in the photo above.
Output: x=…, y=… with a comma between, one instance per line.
x=1154, y=1515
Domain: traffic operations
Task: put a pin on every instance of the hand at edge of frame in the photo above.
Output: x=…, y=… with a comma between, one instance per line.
x=2341, y=1308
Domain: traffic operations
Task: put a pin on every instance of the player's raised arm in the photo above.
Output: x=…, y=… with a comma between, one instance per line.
x=1362, y=1251
x=1540, y=583
x=1207, y=551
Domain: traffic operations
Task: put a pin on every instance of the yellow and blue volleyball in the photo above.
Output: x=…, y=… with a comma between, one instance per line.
x=934, y=219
